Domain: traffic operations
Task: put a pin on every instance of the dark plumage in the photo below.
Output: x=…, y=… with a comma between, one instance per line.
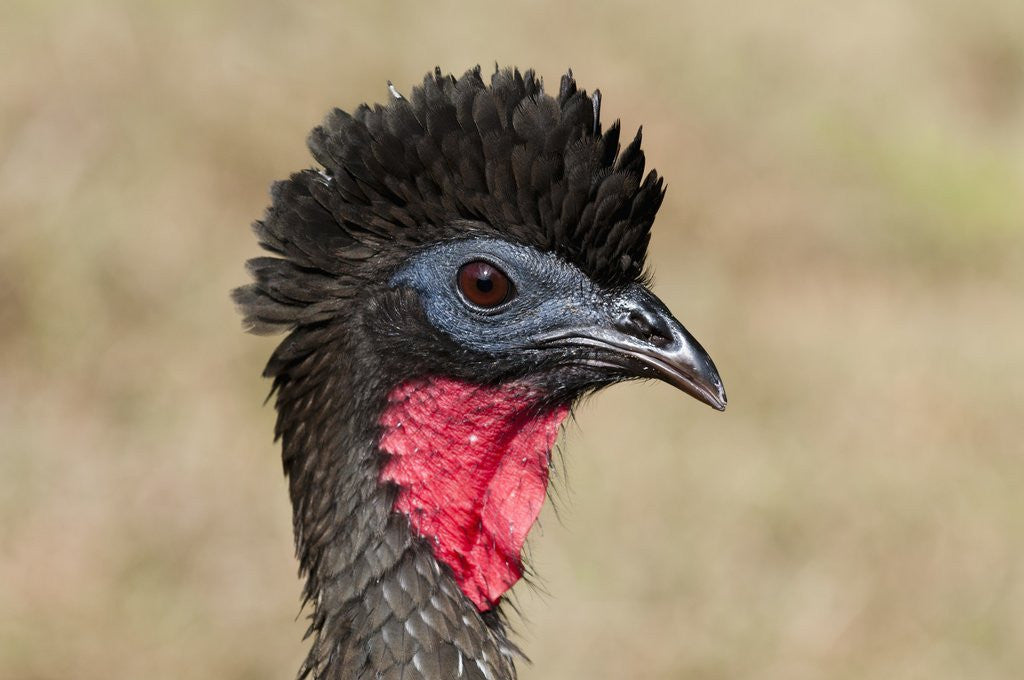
x=383, y=277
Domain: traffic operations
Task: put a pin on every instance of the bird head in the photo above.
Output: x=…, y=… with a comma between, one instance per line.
x=465, y=264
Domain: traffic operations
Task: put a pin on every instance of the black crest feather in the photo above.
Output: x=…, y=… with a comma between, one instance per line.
x=456, y=158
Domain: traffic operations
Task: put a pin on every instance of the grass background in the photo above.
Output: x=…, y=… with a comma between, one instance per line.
x=844, y=230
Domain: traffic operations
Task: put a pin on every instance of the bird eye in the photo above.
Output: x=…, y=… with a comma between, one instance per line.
x=483, y=284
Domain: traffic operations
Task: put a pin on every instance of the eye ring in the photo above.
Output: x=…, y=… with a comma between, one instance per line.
x=483, y=285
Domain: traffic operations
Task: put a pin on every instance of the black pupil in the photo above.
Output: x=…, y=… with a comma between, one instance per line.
x=484, y=283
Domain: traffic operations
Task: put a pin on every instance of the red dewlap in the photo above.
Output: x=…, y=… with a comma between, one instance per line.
x=472, y=466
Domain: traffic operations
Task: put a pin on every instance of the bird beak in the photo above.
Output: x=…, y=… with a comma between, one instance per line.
x=642, y=339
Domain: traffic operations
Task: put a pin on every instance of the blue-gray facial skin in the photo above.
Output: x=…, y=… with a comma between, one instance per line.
x=548, y=294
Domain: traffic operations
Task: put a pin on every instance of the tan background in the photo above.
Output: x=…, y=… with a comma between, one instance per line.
x=844, y=230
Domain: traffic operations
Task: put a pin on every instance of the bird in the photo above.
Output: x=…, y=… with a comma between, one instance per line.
x=458, y=269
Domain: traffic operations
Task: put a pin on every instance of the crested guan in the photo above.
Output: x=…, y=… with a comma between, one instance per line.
x=467, y=263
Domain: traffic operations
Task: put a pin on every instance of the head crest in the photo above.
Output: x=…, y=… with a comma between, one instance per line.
x=459, y=158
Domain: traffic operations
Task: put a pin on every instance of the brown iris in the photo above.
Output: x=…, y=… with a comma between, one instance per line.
x=483, y=284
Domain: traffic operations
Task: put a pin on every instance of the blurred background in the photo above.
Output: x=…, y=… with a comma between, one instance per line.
x=844, y=230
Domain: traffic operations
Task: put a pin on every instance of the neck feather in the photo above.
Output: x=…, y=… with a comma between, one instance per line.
x=389, y=596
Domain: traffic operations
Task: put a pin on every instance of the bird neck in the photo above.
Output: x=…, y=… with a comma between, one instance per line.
x=410, y=505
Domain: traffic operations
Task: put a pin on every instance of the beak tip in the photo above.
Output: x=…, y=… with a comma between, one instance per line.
x=713, y=389
x=717, y=401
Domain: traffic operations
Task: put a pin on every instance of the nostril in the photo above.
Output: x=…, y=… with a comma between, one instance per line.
x=646, y=326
